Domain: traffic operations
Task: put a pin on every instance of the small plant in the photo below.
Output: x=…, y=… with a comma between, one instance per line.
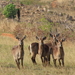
x=10, y=11
x=46, y=26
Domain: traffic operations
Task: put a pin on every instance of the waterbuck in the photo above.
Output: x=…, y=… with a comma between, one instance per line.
x=33, y=51
x=33, y=48
x=43, y=50
x=18, y=52
x=58, y=51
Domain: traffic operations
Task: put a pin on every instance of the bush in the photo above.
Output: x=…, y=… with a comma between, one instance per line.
x=10, y=11
x=46, y=26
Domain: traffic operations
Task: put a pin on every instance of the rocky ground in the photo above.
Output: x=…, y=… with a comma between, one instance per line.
x=56, y=12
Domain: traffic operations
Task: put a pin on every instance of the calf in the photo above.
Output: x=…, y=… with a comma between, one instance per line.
x=58, y=52
x=43, y=50
x=18, y=52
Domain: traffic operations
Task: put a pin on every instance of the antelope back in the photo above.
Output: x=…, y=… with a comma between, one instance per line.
x=34, y=48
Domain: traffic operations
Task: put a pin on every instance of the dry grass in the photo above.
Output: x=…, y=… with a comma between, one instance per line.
x=60, y=1
x=8, y=66
x=7, y=25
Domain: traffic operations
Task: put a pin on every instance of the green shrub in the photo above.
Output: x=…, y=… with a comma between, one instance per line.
x=46, y=26
x=10, y=11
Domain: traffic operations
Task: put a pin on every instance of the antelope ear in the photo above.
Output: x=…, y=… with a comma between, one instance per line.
x=57, y=34
x=51, y=35
x=37, y=38
x=63, y=39
x=24, y=37
x=17, y=38
x=44, y=38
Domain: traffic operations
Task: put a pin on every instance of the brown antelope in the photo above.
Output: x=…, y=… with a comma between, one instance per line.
x=58, y=52
x=35, y=46
x=43, y=50
x=33, y=51
x=51, y=42
x=18, y=52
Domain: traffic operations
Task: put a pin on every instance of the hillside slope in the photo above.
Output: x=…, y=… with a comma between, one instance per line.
x=42, y=18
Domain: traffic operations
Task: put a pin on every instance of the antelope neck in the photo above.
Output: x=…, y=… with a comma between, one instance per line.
x=40, y=44
x=21, y=45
